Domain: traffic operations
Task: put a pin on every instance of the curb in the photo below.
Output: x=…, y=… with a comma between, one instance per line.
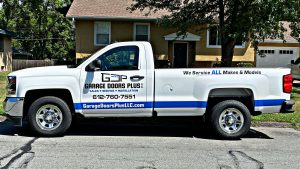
x=276, y=124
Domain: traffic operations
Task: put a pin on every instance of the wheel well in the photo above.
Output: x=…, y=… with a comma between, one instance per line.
x=33, y=95
x=242, y=95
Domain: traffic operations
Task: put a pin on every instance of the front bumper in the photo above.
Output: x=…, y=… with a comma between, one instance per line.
x=13, y=107
x=287, y=107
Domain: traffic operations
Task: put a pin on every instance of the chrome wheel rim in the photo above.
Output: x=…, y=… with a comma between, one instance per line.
x=49, y=117
x=231, y=120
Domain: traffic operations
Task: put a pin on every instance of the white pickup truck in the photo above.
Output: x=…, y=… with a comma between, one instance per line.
x=121, y=81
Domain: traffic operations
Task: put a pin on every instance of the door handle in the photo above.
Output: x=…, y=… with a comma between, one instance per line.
x=136, y=78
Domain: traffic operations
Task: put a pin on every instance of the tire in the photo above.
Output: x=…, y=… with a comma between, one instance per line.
x=45, y=122
x=230, y=119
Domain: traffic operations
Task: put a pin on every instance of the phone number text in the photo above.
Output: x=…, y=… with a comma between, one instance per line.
x=122, y=96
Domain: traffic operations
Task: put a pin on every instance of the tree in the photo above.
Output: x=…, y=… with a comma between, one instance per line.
x=246, y=20
x=41, y=29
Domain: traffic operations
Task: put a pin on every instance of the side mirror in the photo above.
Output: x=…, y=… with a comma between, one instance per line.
x=94, y=66
x=293, y=62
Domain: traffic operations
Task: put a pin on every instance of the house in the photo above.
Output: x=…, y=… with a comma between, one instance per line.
x=276, y=52
x=102, y=22
x=5, y=50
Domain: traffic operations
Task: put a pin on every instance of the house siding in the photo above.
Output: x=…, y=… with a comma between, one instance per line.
x=209, y=54
x=6, y=56
x=84, y=35
x=159, y=44
x=163, y=50
x=120, y=31
x=7, y=44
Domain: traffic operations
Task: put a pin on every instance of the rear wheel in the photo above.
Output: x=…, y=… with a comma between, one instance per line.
x=230, y=119
x=49, y=116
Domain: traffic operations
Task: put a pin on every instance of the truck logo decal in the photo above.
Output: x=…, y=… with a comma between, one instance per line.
x=106, y=77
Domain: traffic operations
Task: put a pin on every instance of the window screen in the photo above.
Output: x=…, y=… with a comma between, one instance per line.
x=102, y=34
x=141, y=32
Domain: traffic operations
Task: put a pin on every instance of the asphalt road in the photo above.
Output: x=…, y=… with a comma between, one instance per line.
x=148, y=146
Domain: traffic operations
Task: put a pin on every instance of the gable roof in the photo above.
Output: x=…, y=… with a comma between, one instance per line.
x=109, y=9
x=7, y=33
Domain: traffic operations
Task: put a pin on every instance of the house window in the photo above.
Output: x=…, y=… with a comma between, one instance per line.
x=286, y=52
x=102, y=33
x=267, y=51
x=142, y=32
x=214, y=38
x=1, y=44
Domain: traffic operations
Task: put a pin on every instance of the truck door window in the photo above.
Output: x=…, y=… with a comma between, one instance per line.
x=120, y=58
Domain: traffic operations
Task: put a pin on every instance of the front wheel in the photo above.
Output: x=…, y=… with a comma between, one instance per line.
x=230, y=119
x=49, y=116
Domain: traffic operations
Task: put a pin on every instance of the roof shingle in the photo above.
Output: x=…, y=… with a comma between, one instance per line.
x=108, y=9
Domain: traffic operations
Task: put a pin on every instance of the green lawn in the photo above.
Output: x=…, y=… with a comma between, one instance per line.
x=3, y=83
x=280, y=117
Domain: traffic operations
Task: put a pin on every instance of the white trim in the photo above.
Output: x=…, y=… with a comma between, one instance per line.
x=187, y=53
x=134, y=30
x=220, y=46
x=189, y=37
x=95, y=33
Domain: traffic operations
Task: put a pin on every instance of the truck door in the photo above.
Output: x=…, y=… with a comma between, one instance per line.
x=115, y=83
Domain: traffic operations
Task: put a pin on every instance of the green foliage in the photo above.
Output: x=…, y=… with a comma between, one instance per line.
x=40, y=28
x=245, y=64
x=246, y=20
x=279, y=117
x=3, y=83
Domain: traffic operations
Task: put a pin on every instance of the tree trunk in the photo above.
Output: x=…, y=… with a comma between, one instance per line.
x=227, y=52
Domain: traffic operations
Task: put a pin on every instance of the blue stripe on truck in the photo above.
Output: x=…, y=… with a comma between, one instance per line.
x=12, y=99
x=275, y=102
x=180, y=104
x=162, y=104
x=113, y=105
x=138, y=105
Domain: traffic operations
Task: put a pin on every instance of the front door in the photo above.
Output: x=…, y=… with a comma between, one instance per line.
x=180, y=55
x=118, y=86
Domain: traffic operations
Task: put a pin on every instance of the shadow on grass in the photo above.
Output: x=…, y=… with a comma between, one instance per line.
x=133, y=127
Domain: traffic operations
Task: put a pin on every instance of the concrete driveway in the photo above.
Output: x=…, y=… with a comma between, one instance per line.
x=148, y=146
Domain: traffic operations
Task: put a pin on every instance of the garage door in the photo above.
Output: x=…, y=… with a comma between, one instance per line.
x=276, y=56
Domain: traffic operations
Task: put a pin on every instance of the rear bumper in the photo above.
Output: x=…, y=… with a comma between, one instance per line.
x=287, y=107
x=14, y=110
